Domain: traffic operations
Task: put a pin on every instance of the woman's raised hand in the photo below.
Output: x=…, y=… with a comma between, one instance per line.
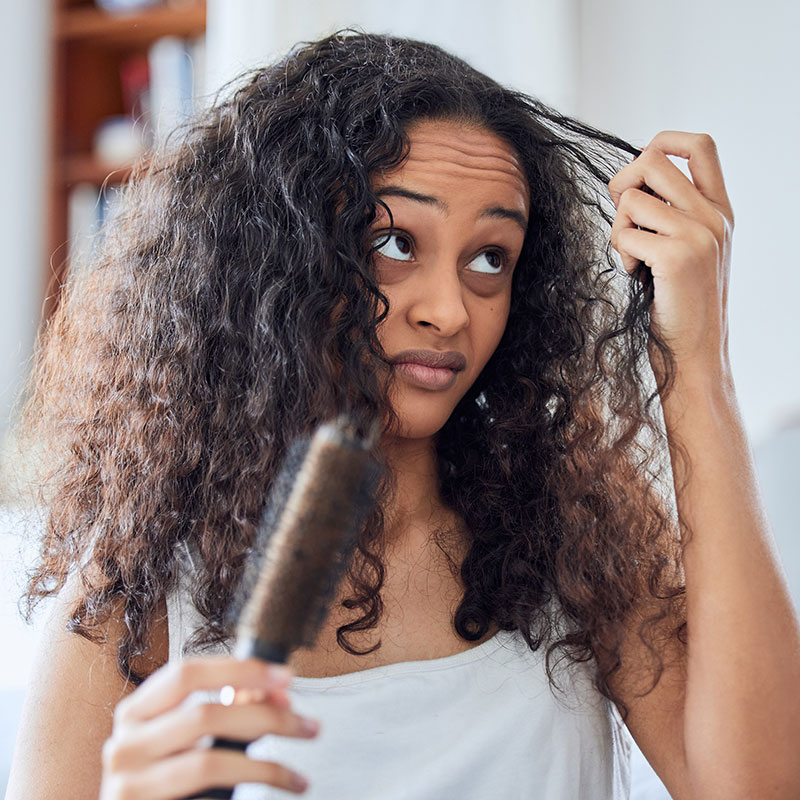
x=685, y=238
x=153, y=750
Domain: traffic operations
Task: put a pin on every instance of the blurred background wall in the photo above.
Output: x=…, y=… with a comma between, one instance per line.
x=728, y=68
x=25, y=67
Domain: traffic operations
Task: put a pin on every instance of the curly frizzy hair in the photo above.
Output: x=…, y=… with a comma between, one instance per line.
x=234, y=305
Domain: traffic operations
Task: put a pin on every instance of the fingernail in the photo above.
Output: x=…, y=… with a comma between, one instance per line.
x=309, y=726
x=279, y=672
x=299, y=783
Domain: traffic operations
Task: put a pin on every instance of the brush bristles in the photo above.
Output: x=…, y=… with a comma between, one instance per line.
x=312, y=538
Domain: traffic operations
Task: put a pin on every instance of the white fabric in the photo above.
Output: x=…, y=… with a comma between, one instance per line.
x=480, y=724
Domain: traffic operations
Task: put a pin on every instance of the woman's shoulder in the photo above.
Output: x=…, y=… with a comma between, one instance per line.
x=74, y=687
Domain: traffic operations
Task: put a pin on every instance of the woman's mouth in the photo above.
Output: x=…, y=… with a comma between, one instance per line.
x=430, y=369
x=427, y=377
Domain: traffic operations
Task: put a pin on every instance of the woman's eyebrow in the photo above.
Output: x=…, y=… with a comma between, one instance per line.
x=498, y=212
x=399, y=191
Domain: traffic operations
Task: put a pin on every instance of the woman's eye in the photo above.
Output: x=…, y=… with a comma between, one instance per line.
x=491, y=262
x=395, y=246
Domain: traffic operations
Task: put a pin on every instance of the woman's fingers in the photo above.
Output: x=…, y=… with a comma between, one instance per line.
x=637, y=209
x=276, y=697
x=704, y=196
x=169, y=686
x=652, y=168
x=637, y=246
x=154, y=751
x=196, y=770
x=684, y=238
x=180, y=729
x=700, y=150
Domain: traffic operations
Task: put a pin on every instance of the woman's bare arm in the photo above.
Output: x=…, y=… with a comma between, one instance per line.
x=69, y=706
x=725, y=721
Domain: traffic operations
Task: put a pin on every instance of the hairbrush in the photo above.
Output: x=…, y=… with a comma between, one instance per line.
x=316, y=508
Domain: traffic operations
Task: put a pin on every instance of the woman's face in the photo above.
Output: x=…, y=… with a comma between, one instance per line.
x=460, y=205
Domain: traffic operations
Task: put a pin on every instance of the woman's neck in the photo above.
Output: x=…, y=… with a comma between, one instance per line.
x=417, y=505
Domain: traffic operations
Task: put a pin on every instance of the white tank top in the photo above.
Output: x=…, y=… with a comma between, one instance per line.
x=479, y=724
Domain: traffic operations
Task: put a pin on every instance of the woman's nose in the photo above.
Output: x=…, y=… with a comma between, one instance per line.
x=439, y=300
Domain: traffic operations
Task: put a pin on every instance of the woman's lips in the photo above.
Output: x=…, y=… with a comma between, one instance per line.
x=427, y=377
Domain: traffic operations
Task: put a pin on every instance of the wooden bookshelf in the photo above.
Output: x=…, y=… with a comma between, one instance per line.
x=88, y=45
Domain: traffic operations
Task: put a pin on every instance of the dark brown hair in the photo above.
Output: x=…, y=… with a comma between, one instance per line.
x=234, y=305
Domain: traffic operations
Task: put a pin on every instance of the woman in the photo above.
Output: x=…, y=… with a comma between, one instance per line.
x=371, y=225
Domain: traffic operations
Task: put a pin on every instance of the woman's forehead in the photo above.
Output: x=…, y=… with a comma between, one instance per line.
x=462, y=158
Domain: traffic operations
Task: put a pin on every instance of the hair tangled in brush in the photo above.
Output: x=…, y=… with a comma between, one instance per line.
x=234, y=306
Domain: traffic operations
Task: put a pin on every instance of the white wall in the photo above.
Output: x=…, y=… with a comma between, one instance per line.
x=25, y=70
x=729, y=69
x=529, y=44
x=23, y=51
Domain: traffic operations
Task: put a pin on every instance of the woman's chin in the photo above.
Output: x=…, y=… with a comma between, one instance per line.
x=421, y=414
x=417, y=432
x=415, y=427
